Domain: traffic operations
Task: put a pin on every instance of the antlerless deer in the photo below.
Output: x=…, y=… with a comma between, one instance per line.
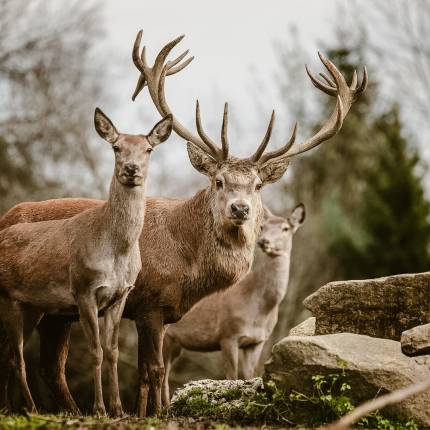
x=86, y=264
x=240, y=319
x=192, y=247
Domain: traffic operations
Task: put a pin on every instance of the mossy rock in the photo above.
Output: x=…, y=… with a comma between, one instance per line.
x=227, y=400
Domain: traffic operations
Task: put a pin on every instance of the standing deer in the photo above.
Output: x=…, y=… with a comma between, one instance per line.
x=192, y=247
x=241, y=318
x=87, y=263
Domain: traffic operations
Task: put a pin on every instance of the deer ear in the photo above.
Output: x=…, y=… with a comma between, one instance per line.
x=161, y=130
x=273, y=169
x=104, y=127
x=297, y=216
x=201, y=161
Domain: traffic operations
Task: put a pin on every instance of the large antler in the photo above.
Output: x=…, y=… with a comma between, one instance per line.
x=154, y=78
x=337, y=87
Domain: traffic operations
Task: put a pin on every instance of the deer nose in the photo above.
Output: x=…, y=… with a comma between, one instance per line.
x=239, y=210
x=131, y=168
x=263, y=242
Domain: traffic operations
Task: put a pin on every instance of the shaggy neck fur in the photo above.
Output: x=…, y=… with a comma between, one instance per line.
x=124, y=214
x=217, y=254
x=272, y=273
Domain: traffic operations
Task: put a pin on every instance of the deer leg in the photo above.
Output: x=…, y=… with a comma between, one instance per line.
x=171, y=351
x=54, y=334
x=250, y=358
x=150, y=332
x=112, y=318
x=4, y=371
x=88, y=316
x=16, y=322
x=230, y=356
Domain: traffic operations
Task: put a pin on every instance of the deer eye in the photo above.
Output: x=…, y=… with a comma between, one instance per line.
x=218, y=183
x=149, y=150
x=115, y=148
x=285, y=228
x=258, y=187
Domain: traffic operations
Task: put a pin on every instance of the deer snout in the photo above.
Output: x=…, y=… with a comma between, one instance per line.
x=239, y=210
x=130, y=169
x=263, y=242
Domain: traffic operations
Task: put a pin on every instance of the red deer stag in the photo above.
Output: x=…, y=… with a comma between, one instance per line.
x=239, y=320
x=86, y=264
x=189, y=247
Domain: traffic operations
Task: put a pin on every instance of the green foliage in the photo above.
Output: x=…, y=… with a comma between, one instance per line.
x=329, y=401
x=394, y=214
x=363, y=190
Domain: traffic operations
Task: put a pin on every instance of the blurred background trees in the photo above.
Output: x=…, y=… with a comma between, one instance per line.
x=365, y=191
x=49, y=83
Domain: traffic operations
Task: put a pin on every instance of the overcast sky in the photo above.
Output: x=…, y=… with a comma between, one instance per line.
x=228, y=39
x=232, y=41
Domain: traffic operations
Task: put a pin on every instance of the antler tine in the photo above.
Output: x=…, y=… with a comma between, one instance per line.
x=327, y=79
x=320, y=85
x=140, y=63
x=205, y=138
x=353, y=85
x=172, y=70
x=362, y=88
x=162, y=55
x=281, y=151
x=259, y=152
x=177, y=60
x=139, y=86
x=224, y=137
x=137, y=59
x=333, y=70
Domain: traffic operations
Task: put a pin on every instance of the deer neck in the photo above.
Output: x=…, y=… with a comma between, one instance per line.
x=124, y=214
x=217, y=255
x=272, y=276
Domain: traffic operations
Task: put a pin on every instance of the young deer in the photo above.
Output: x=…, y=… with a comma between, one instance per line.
x=86, y=264
x=193, y=247
x=241, y=318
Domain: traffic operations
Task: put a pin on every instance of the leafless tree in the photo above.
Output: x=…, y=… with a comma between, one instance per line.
x=398, y=41
x=48, y=88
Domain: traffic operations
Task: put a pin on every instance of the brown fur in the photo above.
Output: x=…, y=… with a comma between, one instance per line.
x=242, y=317
x=182, y=261
x=87, y=263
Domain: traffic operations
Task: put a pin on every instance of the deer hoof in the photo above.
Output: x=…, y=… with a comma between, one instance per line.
x=116, y=411
x=99, y=410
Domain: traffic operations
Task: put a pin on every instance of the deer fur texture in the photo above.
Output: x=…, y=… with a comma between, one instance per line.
x=239, y=320
x=189, y=249
x=84, y=264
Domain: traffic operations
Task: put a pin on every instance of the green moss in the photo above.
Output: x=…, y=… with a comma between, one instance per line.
x=232, y=394
x=62, y=421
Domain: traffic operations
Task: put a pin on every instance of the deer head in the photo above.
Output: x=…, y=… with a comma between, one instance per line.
x=131, y=151
x=277, y=233
x=236, y=182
